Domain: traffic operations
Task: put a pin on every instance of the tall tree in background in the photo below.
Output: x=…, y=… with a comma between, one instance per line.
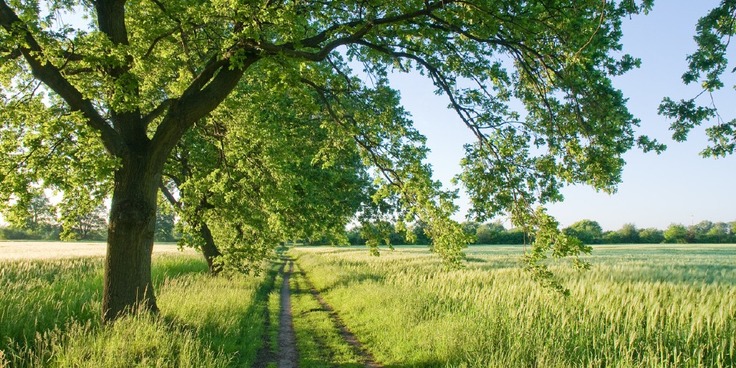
x=707, y=66
x=588, y=231
x=89, y=226
x=165, y=224
x=99, y=108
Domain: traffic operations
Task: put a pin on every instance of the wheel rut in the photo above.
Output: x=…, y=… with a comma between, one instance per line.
x=366, y=358
x=288, y=356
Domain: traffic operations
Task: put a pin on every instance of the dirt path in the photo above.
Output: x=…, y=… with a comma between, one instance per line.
x=365, y=356
x=288, y=356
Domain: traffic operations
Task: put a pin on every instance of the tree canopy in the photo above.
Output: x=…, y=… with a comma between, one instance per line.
x=99, y=108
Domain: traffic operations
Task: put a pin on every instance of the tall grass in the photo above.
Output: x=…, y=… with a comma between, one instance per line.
x=643, y=307
x=50, y=311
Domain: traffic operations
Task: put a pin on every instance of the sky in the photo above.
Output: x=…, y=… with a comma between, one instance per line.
x=677, y=186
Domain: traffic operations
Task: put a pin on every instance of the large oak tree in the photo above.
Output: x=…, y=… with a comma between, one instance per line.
x=99, y=107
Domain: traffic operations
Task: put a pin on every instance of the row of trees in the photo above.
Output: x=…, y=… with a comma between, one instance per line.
x=41, y=221
x=588, y=231
x=488, y=233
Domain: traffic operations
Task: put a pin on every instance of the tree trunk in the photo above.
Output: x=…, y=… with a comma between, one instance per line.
x=128, y=287
x=209, y=249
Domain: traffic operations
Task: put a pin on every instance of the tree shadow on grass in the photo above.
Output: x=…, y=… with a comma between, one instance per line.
x=247, y=341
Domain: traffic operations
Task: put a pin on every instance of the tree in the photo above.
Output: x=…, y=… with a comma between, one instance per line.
x=165, y=225
x=676, y=233
x=698, y=232
x=470, y=228
x=90, y=225
x=40, y=212
x=97, y=109
x=628, y=234
x=651, y=236
x=706, y=67
x=353, y=235
x=491, y=233
x=588, y=231
x=32, y=211
x=295, y=187
x=719, y=233
x=420, y=235
x=612, y=237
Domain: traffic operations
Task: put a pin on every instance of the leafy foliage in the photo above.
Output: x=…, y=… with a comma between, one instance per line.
x=707, y=66
x=588, y=231
x=110, y=102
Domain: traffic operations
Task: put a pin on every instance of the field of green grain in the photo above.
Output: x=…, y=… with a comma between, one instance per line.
x=639, y=306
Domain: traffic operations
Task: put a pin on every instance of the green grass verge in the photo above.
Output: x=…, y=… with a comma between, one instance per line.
x=50, y=312
x=649, y=306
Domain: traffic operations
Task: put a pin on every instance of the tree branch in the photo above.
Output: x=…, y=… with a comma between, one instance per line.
x=170, y=197
x=203, y=95
x=52, y=77
x=365, y=27
x=111, y=19
x=160, y=109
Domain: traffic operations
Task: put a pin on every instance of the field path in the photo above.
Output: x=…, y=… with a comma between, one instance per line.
x=287, y=356
x=365, y=356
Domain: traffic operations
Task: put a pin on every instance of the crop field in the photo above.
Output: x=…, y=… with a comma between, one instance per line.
x=26, y=250
x=639, y=306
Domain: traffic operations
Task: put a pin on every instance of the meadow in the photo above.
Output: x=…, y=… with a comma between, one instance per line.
x=50, y=316
x=639, y=306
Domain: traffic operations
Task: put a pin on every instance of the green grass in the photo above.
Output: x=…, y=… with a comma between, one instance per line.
x=50, y=311
x=318, y=340
x=639, y=306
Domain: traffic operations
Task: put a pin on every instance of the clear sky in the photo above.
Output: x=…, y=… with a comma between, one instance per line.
x=677, y=186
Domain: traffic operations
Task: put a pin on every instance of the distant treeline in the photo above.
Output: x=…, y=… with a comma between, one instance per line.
x=588, y=231
x=44, y=224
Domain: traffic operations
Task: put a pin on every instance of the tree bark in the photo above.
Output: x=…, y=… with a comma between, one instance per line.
x=209, y=249
x=127, y=286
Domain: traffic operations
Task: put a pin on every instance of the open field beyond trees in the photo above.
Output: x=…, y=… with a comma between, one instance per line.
x=638, y=306
x=26, y=250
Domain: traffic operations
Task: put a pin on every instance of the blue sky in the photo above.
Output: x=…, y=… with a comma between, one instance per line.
x=677, y=186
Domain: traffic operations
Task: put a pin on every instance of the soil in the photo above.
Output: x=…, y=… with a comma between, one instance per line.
x=287, y=355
